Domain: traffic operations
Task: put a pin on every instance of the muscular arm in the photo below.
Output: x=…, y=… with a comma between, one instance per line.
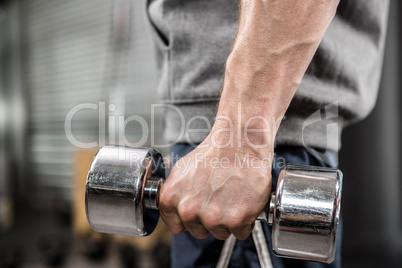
x=276, y=41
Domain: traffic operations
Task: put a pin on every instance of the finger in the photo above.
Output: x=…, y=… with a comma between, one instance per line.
x=196, y=229
x=220, y=232
x=168, y=211
x=212, y=221
x=188, y=213
x=172, y=222
x=242, y=232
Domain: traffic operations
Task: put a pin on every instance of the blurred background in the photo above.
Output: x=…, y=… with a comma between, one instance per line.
x=57, y=54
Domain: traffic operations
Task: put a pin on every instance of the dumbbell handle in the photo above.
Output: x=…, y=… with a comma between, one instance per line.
x=151, y=199
x=151, y=192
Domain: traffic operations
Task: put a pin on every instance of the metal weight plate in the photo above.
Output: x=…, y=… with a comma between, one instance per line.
x=306, y=213
x=114, y=190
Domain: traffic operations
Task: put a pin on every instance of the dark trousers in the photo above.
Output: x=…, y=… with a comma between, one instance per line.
x=188, y=251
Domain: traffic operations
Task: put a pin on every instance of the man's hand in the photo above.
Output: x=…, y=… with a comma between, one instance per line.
x=275, y=43
x=217, y=190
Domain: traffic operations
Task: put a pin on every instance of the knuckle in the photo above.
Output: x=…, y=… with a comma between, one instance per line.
x=164, y=205
x=166, y=199
x=212, y=218
x=241, y=221
x=210, y=222
x=187, y=213
x=187, y=216
x=236, y=223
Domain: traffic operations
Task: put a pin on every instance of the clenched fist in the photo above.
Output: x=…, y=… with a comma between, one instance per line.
x=218, y=191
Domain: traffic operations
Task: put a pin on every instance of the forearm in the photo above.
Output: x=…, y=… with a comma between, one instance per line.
x=275, y=43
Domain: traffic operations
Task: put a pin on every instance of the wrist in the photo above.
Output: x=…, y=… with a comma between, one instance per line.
x=250, y=135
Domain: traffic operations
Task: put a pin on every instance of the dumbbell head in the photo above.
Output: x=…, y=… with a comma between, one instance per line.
x=304, y=212
x=122, y=198
x=121, y=190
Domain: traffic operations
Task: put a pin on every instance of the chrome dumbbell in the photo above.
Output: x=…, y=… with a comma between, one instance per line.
x=122, y=192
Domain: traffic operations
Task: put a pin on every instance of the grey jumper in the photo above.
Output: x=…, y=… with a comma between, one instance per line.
x=194, y=38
